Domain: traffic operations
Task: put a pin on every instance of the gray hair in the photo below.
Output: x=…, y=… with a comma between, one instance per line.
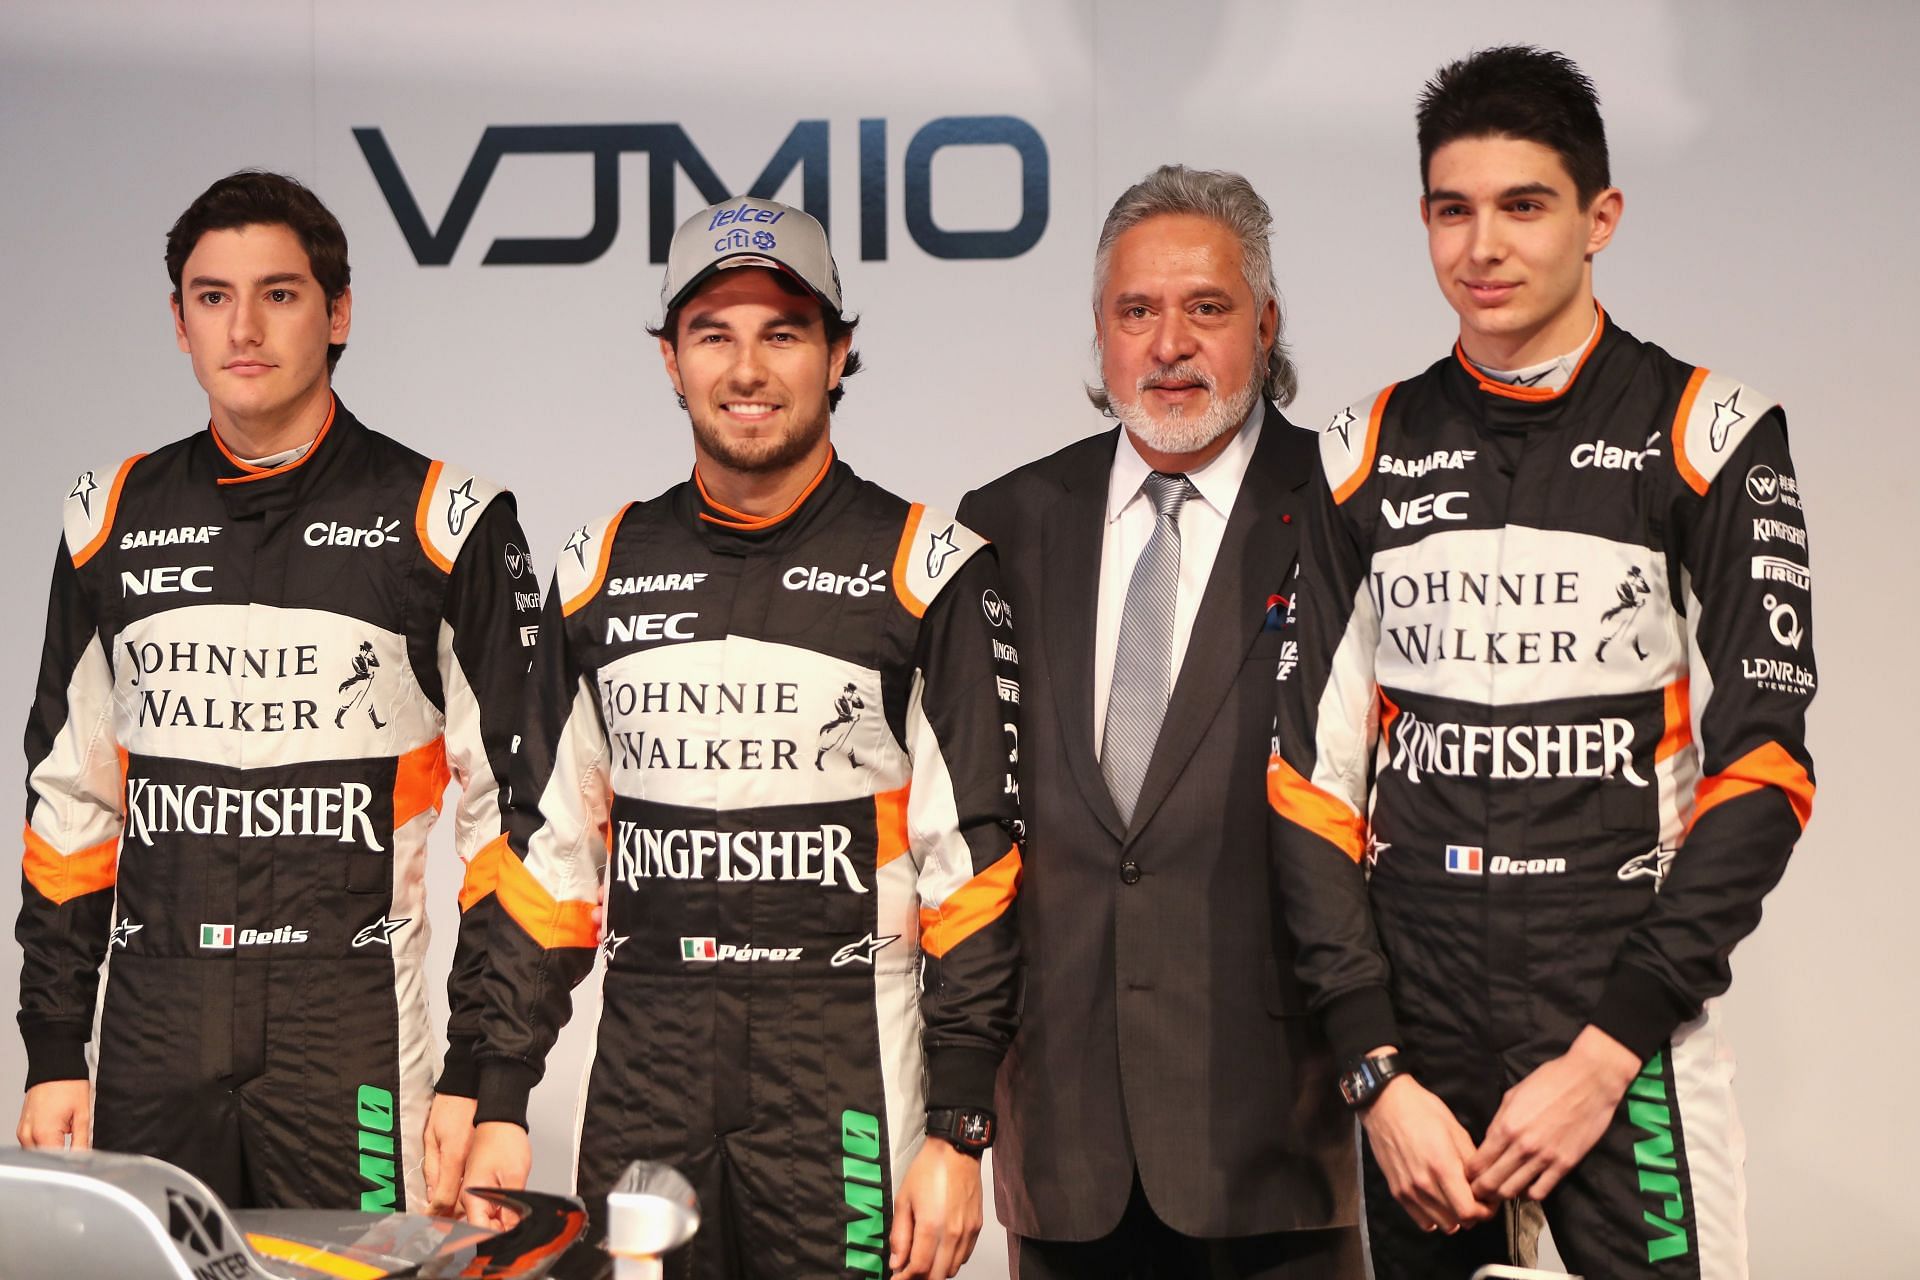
x=1229, y=200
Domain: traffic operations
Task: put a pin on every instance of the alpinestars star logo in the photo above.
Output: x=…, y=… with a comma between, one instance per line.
x=460, y=501
x=937, y=554
x=380, y=931
x=612, y=943
x=121, y=932
x=83, y=489
x=1342, y=423
x=1654, y=864
x=578, y=545
x=862, y=952
x=1726, y=414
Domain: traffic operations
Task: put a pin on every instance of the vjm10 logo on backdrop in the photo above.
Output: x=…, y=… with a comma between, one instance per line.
x=669, y=151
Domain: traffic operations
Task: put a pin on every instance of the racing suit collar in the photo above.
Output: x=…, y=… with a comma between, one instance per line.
x=1527, y=408
x=1493, y=385
x=727, y=530
x=247, y=488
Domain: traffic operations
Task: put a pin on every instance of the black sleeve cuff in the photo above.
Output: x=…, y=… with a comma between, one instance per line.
x=502, y=1095
x=459, y=1075
x=1358, y=1022
x=1641, y=1011
x=961, y=1077
x=55, y=1051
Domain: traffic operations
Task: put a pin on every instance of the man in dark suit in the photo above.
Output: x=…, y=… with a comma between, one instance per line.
x=1168, y=1107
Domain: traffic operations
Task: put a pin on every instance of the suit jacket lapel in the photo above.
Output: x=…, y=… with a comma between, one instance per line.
x=1070, y=541
x=1255, y=560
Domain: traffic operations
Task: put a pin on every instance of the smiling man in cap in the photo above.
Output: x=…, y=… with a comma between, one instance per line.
x=774, y=728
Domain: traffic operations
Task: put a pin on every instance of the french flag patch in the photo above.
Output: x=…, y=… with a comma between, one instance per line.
x=1464, y=859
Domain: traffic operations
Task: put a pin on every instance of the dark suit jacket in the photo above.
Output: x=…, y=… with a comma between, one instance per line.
x=1163, y=1026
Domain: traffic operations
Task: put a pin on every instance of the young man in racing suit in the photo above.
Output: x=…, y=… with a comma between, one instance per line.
x=204, y=814
x=1517, y=865
x=810, y=971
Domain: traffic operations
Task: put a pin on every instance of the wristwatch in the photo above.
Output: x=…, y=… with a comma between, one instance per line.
x=1361, y=1083
x=969, y=1130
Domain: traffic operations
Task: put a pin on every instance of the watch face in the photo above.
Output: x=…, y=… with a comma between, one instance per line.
x=975, y=1129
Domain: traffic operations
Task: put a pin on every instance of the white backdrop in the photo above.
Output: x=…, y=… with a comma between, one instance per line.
x=1764, y=149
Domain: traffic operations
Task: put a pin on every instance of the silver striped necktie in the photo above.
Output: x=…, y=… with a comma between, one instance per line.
x=1143, y=660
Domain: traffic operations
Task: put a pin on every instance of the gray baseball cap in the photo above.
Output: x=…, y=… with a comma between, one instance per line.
x=749, y=232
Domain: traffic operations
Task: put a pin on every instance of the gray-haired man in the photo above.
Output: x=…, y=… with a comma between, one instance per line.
x=1165, y=1107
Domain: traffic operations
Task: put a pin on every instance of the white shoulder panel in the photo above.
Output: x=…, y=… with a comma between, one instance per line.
x=88, y=511
x=451, y=501
x=1718, y=418
x=1347, y=445
x=581, y=569
x=933, y=546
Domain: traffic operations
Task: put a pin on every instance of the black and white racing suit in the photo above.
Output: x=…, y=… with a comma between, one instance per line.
x=783, y=750
x=1542, y=756
x=255, y=688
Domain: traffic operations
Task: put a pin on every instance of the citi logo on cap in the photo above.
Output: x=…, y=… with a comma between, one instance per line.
x=1464, y=859
x=216, y=937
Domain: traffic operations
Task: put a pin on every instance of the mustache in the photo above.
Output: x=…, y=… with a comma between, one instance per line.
x=1182, y=372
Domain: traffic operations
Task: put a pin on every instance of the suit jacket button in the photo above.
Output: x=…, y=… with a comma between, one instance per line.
x=1129, y=872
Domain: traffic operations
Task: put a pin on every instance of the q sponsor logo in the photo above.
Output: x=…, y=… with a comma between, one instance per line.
x=1783, y=620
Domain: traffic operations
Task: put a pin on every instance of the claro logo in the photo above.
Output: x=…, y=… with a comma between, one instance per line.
x=671, y=153
x=827, y=582
x=327, y=533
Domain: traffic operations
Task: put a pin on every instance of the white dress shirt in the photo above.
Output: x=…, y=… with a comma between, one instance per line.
x=1130, y=518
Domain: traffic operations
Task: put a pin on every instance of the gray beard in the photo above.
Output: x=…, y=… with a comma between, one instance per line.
x=1177, y=433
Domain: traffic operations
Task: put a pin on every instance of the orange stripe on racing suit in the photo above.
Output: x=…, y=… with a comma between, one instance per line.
x=973, y=906
x=1299, y=801
x=61, y=877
